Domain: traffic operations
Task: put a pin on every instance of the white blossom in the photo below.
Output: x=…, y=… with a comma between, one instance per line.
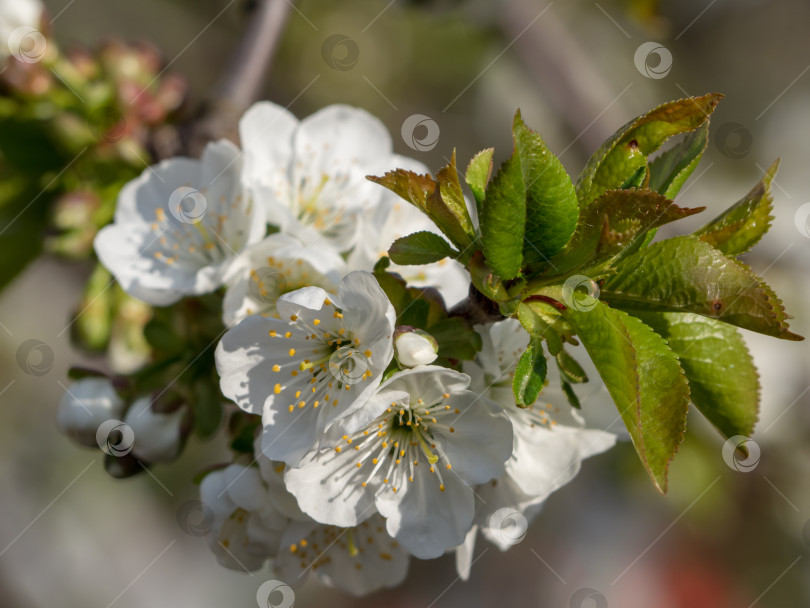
x=312, y=367
x=246, y=528
x=275, y=266
x=360, y=559
x=415, y=464
x=550, y=438
x=179, y=226
x=311, y=175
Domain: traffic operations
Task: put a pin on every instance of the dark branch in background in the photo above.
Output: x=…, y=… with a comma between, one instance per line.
x=477, y=309
x=243, y=78
x=562, y=68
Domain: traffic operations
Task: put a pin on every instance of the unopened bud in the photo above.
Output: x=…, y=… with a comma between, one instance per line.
x=414, y=346
x=158, y=437
x=86, y=405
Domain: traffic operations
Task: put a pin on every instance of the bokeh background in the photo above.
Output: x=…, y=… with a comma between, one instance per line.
x=72, y=536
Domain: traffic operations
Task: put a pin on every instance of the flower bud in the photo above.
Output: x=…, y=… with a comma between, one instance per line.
x=414, y=346
x=158, y=437
x=86, y=405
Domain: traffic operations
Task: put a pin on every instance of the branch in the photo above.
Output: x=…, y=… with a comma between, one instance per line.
x=563, y=68
x=244, y=76
x=477, y=309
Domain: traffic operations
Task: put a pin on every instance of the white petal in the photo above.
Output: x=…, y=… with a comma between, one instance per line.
x=464, y=554
x=328, y=486
x=245, y=487
x=545, y=459
x=424, y=519
x=214, y=494
x=504, y=512
x=378, y=560
x=427, y=382
x=159, y=250
x=481, y=440
x=279, y=264
x=266, y=132
x=340, y=137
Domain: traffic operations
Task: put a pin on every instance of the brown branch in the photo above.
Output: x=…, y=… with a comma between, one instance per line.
x=564, y=70
x=244, y=76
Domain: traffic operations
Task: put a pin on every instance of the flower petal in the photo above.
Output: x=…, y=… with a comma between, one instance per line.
x=425, y=519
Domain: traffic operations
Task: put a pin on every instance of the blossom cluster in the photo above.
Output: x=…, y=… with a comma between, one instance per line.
x=371, y=447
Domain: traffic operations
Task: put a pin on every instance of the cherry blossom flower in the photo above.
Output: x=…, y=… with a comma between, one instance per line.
x=360, y=560
x=550, y=439
x=247, y=527
x=180, y=225
x=415, y=464
x=312, y=367
x=275, y=266
x=311, y=174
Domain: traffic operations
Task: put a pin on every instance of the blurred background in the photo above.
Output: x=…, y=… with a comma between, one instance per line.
x=72, y=536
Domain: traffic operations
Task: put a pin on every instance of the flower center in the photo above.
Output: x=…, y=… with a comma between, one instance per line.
x=403, y=445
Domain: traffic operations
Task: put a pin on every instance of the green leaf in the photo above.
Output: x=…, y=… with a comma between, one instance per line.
x=684, y=274
x=530, y=374
x=420, y=248
x=538, y=319
x=243, y=432
x=669, y=172
x=456, y=339
x=644, y=379
x=478, y=173
x=742, y=225
x=392, y=284
x=413, y=187
x=449, y=209
x=503, y=220
x=570, y=369
x=614, y=224
x=207, y=408
x=23, y=219
x=442, y=200
x=723, y=379
x=551, y=202
x=621, y=156
x=570, y=395
x=415, y=313
x=485, y=280
x=638, y=179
